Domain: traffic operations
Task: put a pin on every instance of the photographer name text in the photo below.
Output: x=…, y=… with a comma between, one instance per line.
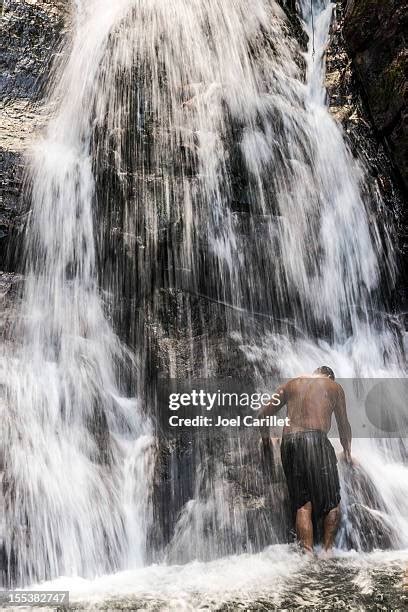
x=237, y=421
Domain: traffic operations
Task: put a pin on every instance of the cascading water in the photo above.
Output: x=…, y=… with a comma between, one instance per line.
x=188, y=156
x=317, y=263
x=76, y=445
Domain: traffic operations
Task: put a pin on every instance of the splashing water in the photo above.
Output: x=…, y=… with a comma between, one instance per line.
x=277, y=578
x=178, y=122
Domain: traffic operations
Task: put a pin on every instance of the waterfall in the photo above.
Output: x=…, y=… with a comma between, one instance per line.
x=191, y=157
x=77, y=444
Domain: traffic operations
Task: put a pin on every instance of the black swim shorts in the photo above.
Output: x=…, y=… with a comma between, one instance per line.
x=310, y=466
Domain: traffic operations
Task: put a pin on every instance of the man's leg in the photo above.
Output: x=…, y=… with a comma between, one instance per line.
x=304, y=526
x=331, y=524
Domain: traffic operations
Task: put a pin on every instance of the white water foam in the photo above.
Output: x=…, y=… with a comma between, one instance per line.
x=242, y=579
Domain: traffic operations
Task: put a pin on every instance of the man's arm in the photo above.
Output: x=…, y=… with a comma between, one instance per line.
x=343, y=424
x=279, y=399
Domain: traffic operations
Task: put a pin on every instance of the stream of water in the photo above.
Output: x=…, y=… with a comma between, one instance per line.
x=177, y=123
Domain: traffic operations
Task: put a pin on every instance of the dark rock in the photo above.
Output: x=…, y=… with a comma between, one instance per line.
x=367, y=529
x=31, y=30
x=375, y=32
x=10, y=290
x=30, y=34
x=365, y=524
x=295, y=26
x=11, y=170
x=349, y=104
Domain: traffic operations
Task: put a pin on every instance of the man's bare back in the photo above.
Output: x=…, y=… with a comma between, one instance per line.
x=308, y=459
x=311, y=402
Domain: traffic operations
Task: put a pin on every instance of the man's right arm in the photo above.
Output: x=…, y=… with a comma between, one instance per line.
x=279, y=399
x=343, y=424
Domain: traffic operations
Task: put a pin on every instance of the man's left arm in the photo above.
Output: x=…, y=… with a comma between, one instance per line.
x=343, y=424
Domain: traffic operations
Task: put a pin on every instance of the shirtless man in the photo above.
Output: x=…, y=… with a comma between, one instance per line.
x=308, y=458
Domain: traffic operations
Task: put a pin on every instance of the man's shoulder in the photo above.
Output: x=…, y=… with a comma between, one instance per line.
x=299, y=379
x=338, y=387
x=306, y=379
x=322, y=381
x=294, y=383
x=335, y=388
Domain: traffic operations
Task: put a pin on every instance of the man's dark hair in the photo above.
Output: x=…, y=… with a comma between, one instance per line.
x=326, y=371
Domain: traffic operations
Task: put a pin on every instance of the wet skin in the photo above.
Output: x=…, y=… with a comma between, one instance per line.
x=311, y=402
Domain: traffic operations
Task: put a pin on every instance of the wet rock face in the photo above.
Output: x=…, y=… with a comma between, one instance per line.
x=349, y=104
x=31, y=30
x=294, y=23
x=375, y=33
x=10, y=286
x=30, y=33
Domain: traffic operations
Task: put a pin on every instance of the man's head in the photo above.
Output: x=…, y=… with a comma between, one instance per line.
x=325, y=371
